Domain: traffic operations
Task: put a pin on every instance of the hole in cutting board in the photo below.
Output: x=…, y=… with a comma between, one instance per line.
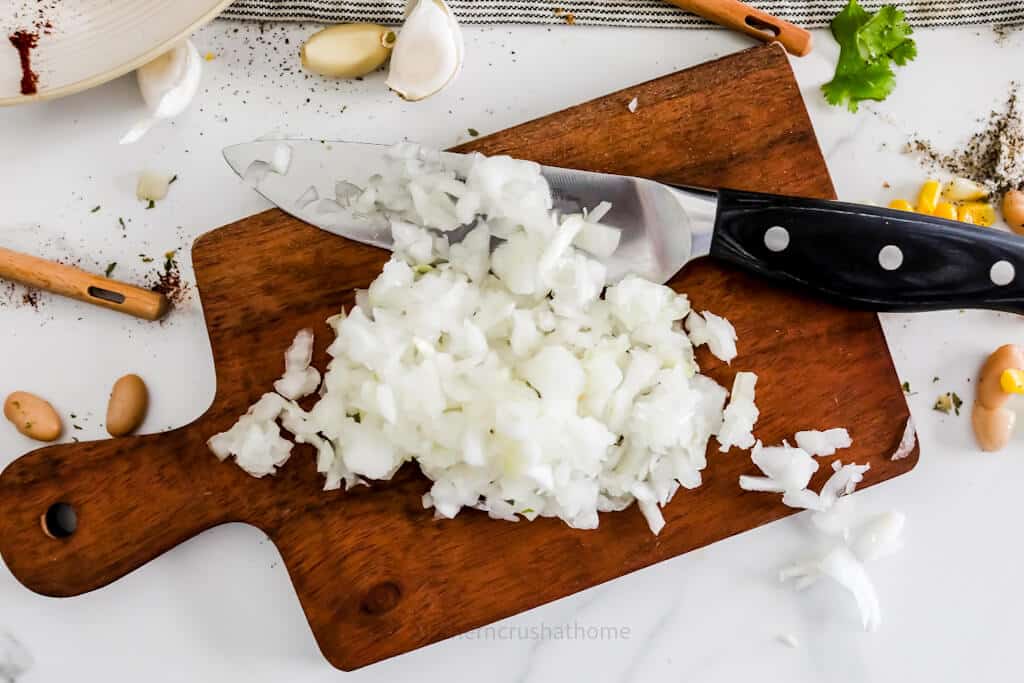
x=60, y=521
x=106, y=295
x=763, y=26
x=381, y=598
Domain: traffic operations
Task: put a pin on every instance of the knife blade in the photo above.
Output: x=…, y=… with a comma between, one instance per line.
x=861, y=256
x=640, y=207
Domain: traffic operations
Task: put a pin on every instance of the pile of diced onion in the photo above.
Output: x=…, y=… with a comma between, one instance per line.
x=492, y=352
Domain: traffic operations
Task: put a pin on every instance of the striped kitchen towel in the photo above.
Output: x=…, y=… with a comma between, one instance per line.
x=642, y=13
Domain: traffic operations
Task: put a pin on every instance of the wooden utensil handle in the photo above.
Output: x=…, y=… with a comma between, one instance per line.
x=157, y=491
x=752, y=21
x=78, y=284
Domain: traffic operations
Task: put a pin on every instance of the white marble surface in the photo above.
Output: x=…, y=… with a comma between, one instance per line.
x=221, y=608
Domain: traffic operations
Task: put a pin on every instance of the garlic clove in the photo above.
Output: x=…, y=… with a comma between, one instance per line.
x=428, y=53
x=168, y=84
x=347, y=50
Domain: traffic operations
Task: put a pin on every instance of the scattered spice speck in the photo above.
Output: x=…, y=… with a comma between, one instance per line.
x=993, y=157
x=110, y=269
x=121, y=222
x=151, y=204
x=94, y=209
x=473, y=132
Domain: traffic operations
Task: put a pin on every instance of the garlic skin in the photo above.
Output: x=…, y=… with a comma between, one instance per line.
x=428, y=53
x=168, y=84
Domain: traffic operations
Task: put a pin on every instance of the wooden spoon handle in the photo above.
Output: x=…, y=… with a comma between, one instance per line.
x=742, y=17
x=78, y=284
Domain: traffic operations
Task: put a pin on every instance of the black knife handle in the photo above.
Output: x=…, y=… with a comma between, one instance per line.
x=870, y=257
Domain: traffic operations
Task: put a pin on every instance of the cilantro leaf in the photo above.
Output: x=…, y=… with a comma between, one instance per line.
x=868, y=45
x=882, y=33
x=904, y=52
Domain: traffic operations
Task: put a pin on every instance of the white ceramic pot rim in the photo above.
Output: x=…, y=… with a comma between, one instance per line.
x=121, y=69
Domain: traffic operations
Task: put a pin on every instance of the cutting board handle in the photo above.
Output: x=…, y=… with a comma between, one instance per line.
x=61, y=534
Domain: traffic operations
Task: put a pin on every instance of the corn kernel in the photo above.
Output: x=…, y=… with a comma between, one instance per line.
x=209, y=56
x=945, y=210
x=1012, y=381
x=981, y=213
x=928, y=198
x=901, y=205
x=964, y=215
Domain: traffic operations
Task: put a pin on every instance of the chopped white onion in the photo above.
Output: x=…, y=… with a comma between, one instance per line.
x=880, y=537
x=152, y=186
x=843, y=481
x=837, y=519
x=790, y=468
x=823, y=442
x=907, y=441
x=256, y=172
x=841, y=565
x=299, y=378
x=517, y=388
x=633, y=103
x=306, y=198
x=740, y=414
x=717, y=332
x=281, y=158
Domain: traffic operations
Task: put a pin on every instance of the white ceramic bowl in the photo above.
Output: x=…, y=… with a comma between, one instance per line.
x=92, y=41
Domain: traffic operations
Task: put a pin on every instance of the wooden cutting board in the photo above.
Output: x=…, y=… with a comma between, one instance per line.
x=375, y=573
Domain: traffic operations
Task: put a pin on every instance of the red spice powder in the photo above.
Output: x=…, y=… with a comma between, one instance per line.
x=24, y=42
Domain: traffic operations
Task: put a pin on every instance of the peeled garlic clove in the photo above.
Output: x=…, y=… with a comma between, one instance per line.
x=348, y=50
x=428, y=53
x=168, y=84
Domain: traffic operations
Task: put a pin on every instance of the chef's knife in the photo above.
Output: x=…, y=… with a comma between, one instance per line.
x=863, y=256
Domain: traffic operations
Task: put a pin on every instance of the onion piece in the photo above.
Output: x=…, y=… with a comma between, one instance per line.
x=281, y=158
x=717, y=332
x=841, y=565
x=791, y=468
x=299, y=378
x=907, y=441
x=880, y=537
x=306, y=198
x=256, y=172
x=837, y=519
x=740, y=414
x=825, y=442
x=152, y=186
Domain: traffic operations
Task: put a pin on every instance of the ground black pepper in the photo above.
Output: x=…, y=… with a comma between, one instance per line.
x=993, y=157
